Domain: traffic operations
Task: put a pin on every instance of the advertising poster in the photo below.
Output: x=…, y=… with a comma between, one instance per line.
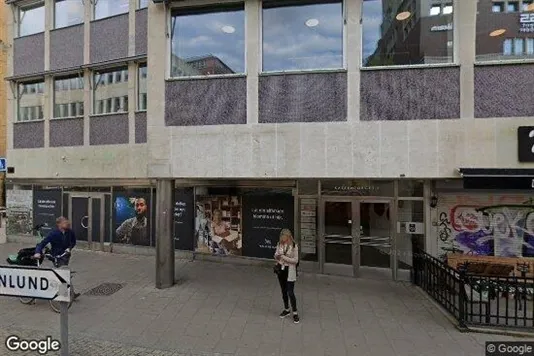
x=19, y=205
x=308, y=225
x=131, y=217
x=46, y=209
x=184, y=219
x=263, y=218
x=218, y=225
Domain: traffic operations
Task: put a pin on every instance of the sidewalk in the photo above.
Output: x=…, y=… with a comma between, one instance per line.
x=230, y=310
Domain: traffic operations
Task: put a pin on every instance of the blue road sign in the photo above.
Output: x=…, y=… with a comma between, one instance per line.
x=3, y=165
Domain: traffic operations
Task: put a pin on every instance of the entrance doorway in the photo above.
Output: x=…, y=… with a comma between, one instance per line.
x=357, y=238
x=89, y=215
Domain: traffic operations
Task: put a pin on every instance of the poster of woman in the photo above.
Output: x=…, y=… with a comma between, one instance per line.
x=218, y=225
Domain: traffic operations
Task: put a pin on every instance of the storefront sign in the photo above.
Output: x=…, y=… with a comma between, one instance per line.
x=264, y=216
x=441, y=28
x=525, y=143
x=526, y=23
x=308, y=226
x=46, y=209
x=184, y=219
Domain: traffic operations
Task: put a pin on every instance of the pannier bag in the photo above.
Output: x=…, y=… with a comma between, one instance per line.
x=24, y=257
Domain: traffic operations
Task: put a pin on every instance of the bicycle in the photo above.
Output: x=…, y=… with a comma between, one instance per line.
x=54, y=305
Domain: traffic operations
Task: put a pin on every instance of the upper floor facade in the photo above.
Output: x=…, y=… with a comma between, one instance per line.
x=264, y=89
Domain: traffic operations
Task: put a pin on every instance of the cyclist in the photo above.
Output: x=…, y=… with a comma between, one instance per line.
x=62, y=240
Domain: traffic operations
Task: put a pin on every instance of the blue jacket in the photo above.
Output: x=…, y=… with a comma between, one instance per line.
x=59, y=242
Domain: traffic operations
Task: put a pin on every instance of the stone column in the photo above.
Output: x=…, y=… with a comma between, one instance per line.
x=164, y=233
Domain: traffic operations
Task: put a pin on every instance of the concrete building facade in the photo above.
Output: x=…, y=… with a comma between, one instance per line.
x=359, y=160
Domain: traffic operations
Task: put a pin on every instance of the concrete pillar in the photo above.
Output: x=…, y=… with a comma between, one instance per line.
x=352, y=49
x=164, y=233
x=465, y=42
x=252, y=58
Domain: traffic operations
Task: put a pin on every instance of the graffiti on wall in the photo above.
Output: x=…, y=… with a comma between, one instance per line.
x=490, y=226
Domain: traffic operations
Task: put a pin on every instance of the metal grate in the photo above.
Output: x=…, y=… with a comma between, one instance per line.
x=105, y=289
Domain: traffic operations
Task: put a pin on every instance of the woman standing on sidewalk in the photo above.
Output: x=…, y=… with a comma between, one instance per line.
x=287, y=258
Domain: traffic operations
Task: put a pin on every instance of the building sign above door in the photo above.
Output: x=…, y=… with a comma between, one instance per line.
x=441, y=28
x=525, y=143
x=357, y=187
x=526, y=23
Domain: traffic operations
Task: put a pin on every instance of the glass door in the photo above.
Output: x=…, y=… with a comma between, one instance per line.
x=376, y=222
x=338, y=237
x=88, y=220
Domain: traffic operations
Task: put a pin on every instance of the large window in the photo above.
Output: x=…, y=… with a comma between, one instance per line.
x=141, y=88
x=208, y=42
x=110, y=91
x=302, y=35
x=401, y=32
x=30, y=101
x=106, y=8
x=505, y=30
x=68, y=13
x=31, y=19
x=143, y=3
x=68, y=97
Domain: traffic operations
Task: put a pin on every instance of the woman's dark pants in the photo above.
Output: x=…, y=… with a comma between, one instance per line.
x=288, y=290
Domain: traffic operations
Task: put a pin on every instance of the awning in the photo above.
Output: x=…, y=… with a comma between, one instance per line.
x=498, y=178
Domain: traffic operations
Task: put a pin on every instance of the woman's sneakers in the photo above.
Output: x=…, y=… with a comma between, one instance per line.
x=284, y=313
x=296, y=318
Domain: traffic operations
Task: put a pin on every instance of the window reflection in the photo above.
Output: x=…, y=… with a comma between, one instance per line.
x=110, y=91
x=31, y=101
x=208, y=42
x=68, y=13
x=31, y=19
x=142, y=90
x=143, y=3
x=302, y=35
x=505, y=30
x=412, y=32
x=68, y=97
x=106, y=8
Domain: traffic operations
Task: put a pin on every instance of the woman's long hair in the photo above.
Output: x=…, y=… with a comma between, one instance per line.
x=286, y=232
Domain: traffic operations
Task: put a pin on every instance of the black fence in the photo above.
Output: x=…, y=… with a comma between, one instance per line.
x=476, y=300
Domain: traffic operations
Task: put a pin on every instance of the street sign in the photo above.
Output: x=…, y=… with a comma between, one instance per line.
x=32, y=282
x=3, y=164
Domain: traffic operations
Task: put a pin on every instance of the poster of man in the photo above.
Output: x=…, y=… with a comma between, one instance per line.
x=218, y=225
x=132, y=219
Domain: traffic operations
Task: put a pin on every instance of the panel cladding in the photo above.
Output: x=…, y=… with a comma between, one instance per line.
x=66, y=132
x=317, y=97
x=28, y=134
x=410, y=94
x=66, y=47
x=109, y=130
x=221, y=101
x=109, y=39
x=141, y=31
x=504, y=91
x=28, y=54
x=140, y=127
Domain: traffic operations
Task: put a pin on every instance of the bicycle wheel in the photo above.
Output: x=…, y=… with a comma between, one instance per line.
x=26, y=300
x=56, y=306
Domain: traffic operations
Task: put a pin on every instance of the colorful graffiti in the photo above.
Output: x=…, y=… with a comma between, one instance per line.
x=491, y=226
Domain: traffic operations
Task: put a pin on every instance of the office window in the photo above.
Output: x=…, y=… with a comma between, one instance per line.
x=30, y=101
x=68, y=13
x=497, y=7
x=435, y=10
x=141, y=88
x=114, y=95
x=143, y=3
x=504, y=35
x=302, y=35
x=68, y=97
x=529, y=46
x=208, y=42
x=107, y=8
x=512, y=6
x=31, y=19
x=397, y=32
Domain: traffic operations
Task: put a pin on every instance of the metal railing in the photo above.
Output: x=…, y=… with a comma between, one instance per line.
x=476, y=300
